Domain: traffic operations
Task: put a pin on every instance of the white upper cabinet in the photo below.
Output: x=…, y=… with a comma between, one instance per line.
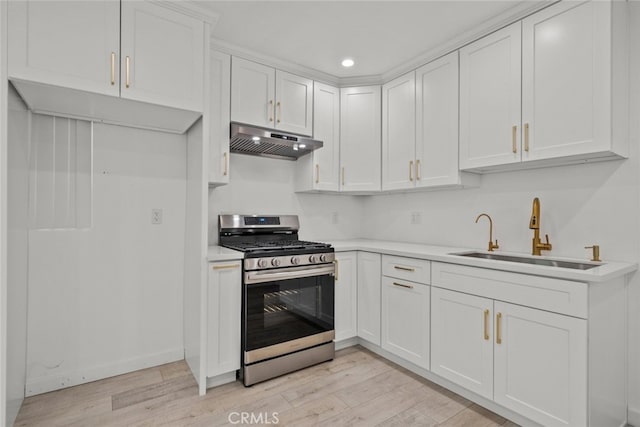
x=69, y=44
x=420, y=128
x=162, y=56
x=320, y=170
x=84, y=58
x=567, y=80
x=437, y=124
x=574, y=86
x=360, y=109
x=266, y=97
x=399, y=132
x=294, y=103
x=490, y=100
x=253, y=92
x=219, y=117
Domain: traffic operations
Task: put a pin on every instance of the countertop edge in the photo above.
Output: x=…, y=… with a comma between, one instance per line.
x=604, y=273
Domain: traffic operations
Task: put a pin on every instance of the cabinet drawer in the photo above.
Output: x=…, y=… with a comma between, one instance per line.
x=415, y=270
x=560, y=296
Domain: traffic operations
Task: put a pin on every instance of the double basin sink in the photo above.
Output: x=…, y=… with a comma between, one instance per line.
x=526, y=260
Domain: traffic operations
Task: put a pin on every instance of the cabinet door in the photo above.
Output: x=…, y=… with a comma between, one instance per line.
x=461, y=340
x=253, y=90
x=326, y=128
x=437, y=122
x=220, y=100
x=566, y=80
x=360, y=138
x=294, y=103
x=223, y=318
x=405, y=320
x=346, y=295
x=66, y=43
x=162, y=56
x=490, y=99
x=399, y=132
x=541, y=365
x=369, y=266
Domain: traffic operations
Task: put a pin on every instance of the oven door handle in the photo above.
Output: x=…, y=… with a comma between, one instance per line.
x=253, y=277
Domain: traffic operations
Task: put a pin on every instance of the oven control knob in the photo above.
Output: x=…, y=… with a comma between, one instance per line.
x=313, y=259
x=295, y=260
x=275, y=262
x=262, y=263
x=323, y=258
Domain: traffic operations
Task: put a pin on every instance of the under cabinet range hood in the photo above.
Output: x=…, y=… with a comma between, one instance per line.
x=256, y=141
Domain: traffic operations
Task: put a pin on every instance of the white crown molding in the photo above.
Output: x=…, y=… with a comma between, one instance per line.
x=301, y=70
x=189, y=8
x=500, y=21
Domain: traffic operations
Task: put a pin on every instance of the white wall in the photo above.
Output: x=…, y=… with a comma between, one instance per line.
x=261, y=185
x=108, y=299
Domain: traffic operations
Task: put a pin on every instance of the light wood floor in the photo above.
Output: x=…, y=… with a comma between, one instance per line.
x=356, y=388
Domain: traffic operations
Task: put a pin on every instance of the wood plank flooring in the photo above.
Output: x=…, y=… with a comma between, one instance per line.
x=357, y=388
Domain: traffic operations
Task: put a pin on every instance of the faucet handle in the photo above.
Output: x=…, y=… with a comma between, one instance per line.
x=493, y=246
x=596, y=252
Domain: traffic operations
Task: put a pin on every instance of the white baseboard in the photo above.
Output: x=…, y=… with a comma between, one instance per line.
x=349, y=342
x=84, y=375
x=221, y=379
x=634, y=417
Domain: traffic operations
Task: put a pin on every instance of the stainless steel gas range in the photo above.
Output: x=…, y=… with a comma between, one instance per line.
x=287, y=295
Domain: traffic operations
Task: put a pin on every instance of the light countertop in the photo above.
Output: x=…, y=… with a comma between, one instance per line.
x=607, y=271
x=218, y=253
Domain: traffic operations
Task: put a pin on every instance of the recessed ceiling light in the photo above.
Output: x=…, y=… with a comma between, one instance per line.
x=347, y=62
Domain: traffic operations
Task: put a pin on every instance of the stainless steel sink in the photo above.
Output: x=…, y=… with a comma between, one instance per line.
x=526, y=260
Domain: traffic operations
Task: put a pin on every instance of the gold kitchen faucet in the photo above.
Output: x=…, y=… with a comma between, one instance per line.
x=534, y=224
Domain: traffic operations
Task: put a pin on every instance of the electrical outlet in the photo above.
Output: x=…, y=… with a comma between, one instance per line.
x=156, y=216
x=334, y=217
x=416, y=218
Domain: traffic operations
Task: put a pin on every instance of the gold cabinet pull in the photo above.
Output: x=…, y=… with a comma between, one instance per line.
x=113, y=68
x=418, y=170
x=226, y=164
x=514, y=137
x=526, y=137
x=279, y=113
x=317, y=173
x=486, y=324
x=335, y=274
x=127, y=62
x=270, y=110
x=397, y=267
x=411, y=170
x=226, y=266
x=498, y=328
x=343, y=176
x=402, y=285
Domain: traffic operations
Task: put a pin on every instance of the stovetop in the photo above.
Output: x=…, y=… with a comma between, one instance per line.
x=275, y=245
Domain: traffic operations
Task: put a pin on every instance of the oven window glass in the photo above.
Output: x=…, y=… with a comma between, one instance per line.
x=287, y=309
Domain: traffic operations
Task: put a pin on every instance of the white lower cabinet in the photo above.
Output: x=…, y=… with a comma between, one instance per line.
x=547, y=349
x=224, y=301
x=461, y=340
x=405, y=320
x=540, y=365
x=346, y=295
x=369, y=268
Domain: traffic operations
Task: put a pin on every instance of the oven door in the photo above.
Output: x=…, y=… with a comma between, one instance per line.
x=286, y=310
